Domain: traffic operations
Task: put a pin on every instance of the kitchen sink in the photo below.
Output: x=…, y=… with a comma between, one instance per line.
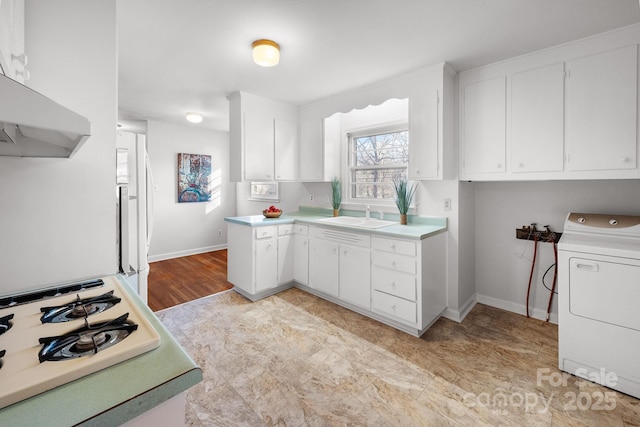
x=351, y=221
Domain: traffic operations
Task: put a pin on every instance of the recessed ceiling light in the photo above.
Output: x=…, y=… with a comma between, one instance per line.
x=194, y=117
x=266, y=52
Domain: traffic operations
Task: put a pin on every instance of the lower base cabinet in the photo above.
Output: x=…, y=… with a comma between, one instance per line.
x=400, y=282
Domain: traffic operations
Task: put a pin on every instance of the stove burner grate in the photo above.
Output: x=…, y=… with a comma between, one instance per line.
x=5, y=323
x=86, y=340
x=2, y=353
x=79, y=308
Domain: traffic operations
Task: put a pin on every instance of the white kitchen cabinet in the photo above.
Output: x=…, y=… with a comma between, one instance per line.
x=537, y=119
x=12, y=55
x=355, y=275
x=409, y=280
x=570, y=113
x=285, y=254
x=254, y=266
x=266, y=263
x=483, y=131
x=339, y=265
x=430, y=123
x=311, y=153
x=258, y=148
x=286, y=150
x=301, y=254
x=263, y=139
x=602, y=110
x=324, y=266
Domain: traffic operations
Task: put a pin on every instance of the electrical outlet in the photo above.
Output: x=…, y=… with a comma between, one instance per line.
x=220, y=232
x=311, y=197
x=447, y=204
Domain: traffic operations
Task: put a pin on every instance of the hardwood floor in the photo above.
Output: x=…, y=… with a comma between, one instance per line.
x=179, y=280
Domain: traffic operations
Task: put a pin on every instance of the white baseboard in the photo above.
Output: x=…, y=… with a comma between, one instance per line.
x=459, y=315
x=536, y=313
x=171, y=255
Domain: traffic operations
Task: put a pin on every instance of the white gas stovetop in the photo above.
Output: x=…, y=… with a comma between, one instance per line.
x=23, y=374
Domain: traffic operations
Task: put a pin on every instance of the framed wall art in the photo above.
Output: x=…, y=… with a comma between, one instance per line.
x=194, y=178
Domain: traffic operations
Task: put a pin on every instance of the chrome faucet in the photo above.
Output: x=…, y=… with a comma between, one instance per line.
x=368, y=212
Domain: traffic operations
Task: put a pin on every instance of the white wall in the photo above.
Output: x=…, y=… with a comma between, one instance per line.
x=503, y=262
x=289, y=192
x=58, y=215
x=182, y=229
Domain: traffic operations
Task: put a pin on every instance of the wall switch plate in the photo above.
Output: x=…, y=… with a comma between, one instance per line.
x=447, y=204
x=311, y=197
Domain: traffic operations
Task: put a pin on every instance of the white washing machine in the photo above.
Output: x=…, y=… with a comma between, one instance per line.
x=599, y=300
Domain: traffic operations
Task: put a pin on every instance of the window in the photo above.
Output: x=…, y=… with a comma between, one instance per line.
x=376, y=158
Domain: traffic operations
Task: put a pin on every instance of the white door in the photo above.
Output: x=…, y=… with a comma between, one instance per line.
x=355, y=275
x=323, y=266
x=605, y=290
x=301, y=264
x=601, y=110
x=258, y=147
x=285, y=259
x=266, y=264
x=286, y=150
x=484, y=139
x=537, y=120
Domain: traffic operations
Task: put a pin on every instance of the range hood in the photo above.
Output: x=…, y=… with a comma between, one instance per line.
x=32, y=125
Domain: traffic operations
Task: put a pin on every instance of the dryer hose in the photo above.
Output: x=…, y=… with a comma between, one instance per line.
x=533, y=266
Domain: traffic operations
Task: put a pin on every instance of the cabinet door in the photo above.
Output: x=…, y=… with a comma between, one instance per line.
x=258, y=147
x=425, y=121
x=285, y=259
x=484, y=138
x=537, y=120
x=266, y=263
x=301, y=264
x=601, y=111
x=311, y=150
x=355, y=275
x=286, y=150
x=323, y=266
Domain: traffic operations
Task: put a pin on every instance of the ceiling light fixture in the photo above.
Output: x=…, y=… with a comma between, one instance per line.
x=266, y=52
x=194, y=117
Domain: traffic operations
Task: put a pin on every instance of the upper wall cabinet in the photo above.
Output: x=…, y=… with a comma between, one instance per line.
x=263, y=138
x=564, y=113
x=484, y=126
x=601, y=111
x=12, y=57
x=537, y=129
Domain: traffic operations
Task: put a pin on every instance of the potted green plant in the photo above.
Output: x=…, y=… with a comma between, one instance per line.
x=336, y=195
x=404, y=196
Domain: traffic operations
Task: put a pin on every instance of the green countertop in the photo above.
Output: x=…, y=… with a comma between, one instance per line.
x=116, y=394
x=418, y=227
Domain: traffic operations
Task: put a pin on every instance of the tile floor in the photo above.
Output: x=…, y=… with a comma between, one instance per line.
x=296, y=360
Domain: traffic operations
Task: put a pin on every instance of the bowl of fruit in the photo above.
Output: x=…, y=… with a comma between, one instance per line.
x=272, y=212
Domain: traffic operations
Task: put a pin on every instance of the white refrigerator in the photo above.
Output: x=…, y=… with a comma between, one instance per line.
x=135, y=209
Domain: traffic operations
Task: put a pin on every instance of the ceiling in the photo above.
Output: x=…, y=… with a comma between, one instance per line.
x=177, y=56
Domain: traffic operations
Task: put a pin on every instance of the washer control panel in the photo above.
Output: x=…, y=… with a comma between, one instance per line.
x=603, y=224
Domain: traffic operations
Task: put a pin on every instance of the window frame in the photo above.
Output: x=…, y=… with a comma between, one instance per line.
x=349, y=167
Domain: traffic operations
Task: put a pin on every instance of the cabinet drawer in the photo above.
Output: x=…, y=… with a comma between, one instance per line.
x=265, y=232
x=395, y=262
x=391, y=282
x=285, y=229
x=394, y=306
x=301, y=229
x=402, y=247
